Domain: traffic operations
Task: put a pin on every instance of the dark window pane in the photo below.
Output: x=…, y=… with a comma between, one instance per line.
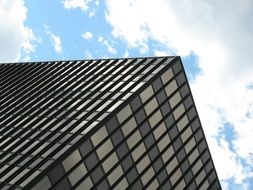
x=140, y=116
x=97, y=174
x=144, y=128
x=103, y=185
x=127, y=162
x=149, y=140
x=184, y=90
x=111, y=124
x=122, y=150
x=56, y=173
x=117, y=137
x=153, y=152
x=135, y=103
x=161, y=97
x=180, y=79
x=132, y=175
x=176, y=67
x=91, y=161
x=85, y=148
x=157, y=84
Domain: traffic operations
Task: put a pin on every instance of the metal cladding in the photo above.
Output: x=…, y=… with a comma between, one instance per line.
x=101, y=124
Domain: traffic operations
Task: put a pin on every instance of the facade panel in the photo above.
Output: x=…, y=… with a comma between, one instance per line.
x=101, y=124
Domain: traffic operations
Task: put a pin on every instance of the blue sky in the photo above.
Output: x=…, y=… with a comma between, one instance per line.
x=214, y=39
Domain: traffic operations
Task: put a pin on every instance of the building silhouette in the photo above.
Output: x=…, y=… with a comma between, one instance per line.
x=101, y=124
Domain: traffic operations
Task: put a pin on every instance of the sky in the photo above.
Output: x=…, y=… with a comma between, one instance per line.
x=214, y=39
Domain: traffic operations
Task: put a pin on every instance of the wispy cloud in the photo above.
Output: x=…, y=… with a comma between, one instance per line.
x=87, y=54
x=56, y=40
x=110, y=48
x=220, y=34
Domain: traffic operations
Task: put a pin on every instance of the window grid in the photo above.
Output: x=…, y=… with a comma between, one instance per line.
x=141, y=152
x=154, y=68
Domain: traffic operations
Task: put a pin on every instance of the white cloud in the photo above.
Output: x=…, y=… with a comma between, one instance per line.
x=73, y=4
x=30, y=37
x=56, y=40
x=160, y=53
x=110, y=48
x=87, y=35
x=84, y=5
x=15, y=37
x=57, y=43
x=220, y=34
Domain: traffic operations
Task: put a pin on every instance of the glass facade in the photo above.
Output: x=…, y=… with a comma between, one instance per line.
x=101, y=124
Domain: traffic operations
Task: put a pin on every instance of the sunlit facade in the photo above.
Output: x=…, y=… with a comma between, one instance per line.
x=101, y=124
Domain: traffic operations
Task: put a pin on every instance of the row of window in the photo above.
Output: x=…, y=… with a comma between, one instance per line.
x=132, y=140
x=56, y=147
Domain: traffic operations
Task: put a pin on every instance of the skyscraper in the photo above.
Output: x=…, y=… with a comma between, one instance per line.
x=110, y=123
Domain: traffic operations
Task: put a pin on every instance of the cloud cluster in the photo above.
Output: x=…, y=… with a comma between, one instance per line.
x=73, y=4
x=87, y=35
x=84, y=5
x=220, y=34
x=15, y=37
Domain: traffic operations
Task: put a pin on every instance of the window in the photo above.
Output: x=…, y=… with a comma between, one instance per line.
x=190, y=145
x=99, y=136
x=181, y=185
x=167, y=76
x=182, y=123
x=151, y=106
x=77, y=174
x=176, y=176
x=157, y=84
x=171, y=88
x=179, y=111
x=85, y=185
x=19, y=176
x=160, y=130
x=193, y=156
x=180, y=78
x=69, y=162
x=112, y=178
x=132, y=140
x=148, y=175
x=172, y=165
x=186, y=134
x=175, y=99
x=104, y=149
x=138, y=151
x=129, y=126
x=177, y=67
x=200, y=177
x=146, y=94
x=122, y=185
x=143, y=164
x=44, y=184
x=110, y=162
x=154, y=119
x=197, y=166
x=164, y=142
x=124, y=113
